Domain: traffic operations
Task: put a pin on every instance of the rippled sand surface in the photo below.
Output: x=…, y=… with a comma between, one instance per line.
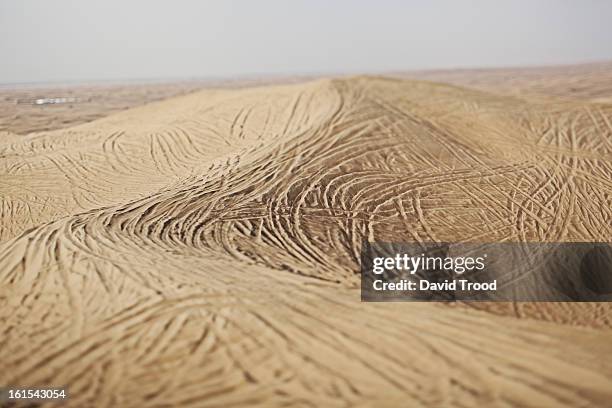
x=203, y=250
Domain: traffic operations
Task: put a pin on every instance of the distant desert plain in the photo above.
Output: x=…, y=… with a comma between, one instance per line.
x=193, y=244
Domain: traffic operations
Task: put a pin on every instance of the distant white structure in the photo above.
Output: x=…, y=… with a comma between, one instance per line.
x=47, y=101
x=53, y=101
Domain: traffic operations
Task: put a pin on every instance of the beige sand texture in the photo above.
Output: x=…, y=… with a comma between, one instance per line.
x=587, y=82
x=204, y=250
x=21, y=115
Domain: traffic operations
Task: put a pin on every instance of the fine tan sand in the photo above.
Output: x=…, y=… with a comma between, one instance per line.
x=203, y=250
x=21, y=115
x=586, y=82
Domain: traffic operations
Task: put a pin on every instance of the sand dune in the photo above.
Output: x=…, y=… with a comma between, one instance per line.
x=203, y=250
x=20, y=114
x=586, y=82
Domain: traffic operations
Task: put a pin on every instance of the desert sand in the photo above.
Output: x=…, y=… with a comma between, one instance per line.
x=203, y=250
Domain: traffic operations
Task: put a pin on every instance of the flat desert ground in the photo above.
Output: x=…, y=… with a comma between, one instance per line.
x=203, y=249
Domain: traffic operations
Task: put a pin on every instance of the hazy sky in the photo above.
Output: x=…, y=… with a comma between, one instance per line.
x=56, y=40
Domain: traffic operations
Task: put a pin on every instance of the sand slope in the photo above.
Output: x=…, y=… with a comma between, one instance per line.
x=203, y=250
x=586, y=82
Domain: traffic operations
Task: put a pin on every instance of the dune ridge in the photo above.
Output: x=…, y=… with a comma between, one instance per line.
x=203, y=250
